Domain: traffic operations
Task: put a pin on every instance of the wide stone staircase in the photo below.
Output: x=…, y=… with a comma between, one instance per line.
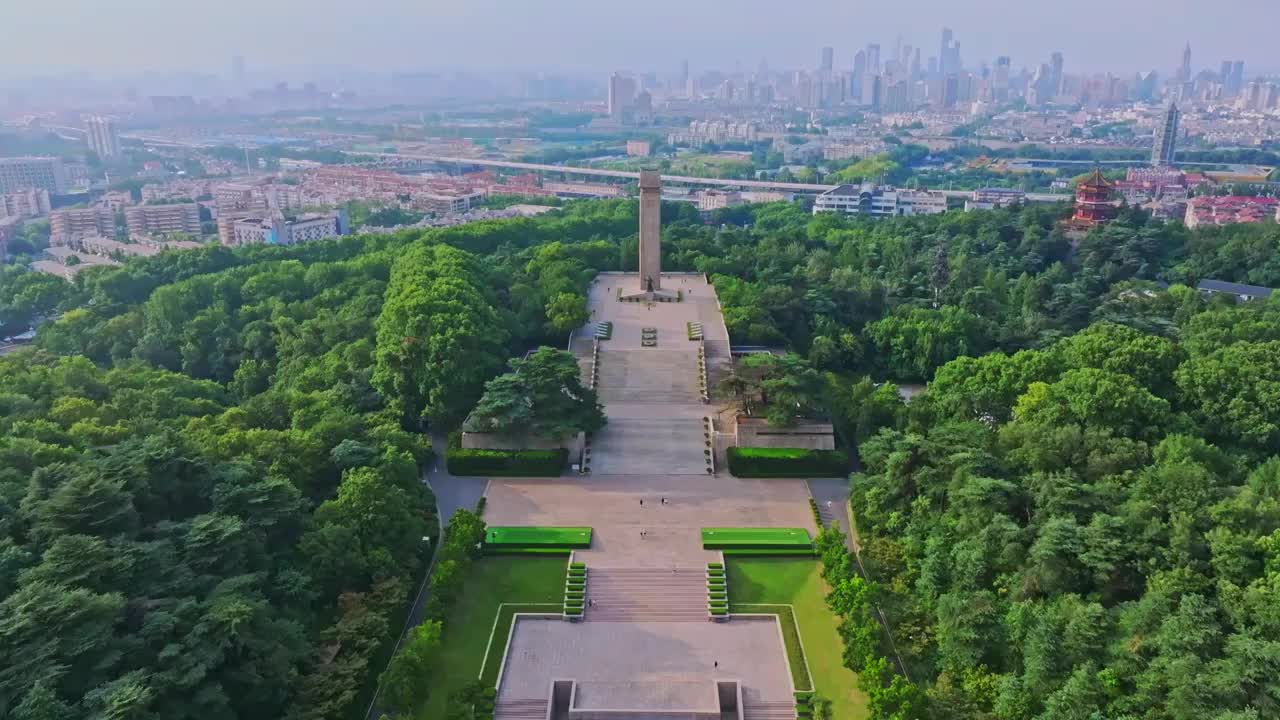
x=530, y=709
x=649, y=376
x=655, y=411
x=647, y=595
x=768, y=710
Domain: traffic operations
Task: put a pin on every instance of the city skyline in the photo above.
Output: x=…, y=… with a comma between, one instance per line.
x=577, y=36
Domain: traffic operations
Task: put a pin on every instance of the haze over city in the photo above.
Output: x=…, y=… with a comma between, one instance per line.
x=583, y=360
x=132, y=36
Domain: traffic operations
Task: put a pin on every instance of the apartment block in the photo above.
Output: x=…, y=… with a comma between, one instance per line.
x=868, y=199
x=27, y=173
x=73, y=224
x=25, y=204
x=277, y=229
x=162, y=219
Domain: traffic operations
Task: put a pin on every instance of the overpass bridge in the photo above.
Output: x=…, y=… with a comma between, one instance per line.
x=801, y=188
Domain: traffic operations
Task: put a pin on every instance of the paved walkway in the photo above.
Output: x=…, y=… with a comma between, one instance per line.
x=648, y=643
x=659, y=666
x=611, y=504
x=452, y=492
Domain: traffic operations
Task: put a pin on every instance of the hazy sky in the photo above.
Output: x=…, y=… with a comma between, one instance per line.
x=124, y=36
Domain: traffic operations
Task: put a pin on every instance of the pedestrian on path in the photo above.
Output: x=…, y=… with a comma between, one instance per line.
x=828, y=504
x=717, y=664
x=641, y=502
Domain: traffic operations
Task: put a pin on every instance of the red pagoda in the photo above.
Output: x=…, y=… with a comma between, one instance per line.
x=1095, y=201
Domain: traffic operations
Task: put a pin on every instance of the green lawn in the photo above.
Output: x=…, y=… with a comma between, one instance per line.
x=798, y=582
x=718, y=538
x=491, y=582
x=538, y=537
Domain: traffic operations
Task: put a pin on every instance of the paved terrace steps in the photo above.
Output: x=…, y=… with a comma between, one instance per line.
x=531, y=709
x=768, y=711
x=649, y=375
x=649, y=446
x=647, y=595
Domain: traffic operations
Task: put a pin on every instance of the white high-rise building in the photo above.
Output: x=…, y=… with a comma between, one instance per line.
x=102, y=137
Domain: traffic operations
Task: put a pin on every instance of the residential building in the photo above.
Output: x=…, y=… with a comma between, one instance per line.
x=163, y=219
x=583, y=190
x=59, y=262
x=638, y=148
x=849, y=151
x=282, y=197
x=1211, y=210
x=27, y=173
x=280, y=230
x=102, y=137
x=1239, y=291
x=622, y=91
x=115, y=200
x=1165, y=146
x=73, y=224
x=10, y=226
x=993, y=198
x=25, y=204
x=448, y=203
x=702, y=132
x=111, y=248
x=868, y=199
x=709, y=200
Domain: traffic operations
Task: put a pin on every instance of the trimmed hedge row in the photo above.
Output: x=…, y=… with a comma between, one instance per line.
x=506, y=463
x=769, y=552
x=787, y=463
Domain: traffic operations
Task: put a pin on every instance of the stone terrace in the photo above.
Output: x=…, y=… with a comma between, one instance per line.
x=654, y=666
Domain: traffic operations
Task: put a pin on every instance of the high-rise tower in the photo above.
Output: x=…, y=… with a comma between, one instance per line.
x=101, y=134
x=1165, y=146
x=944, y=55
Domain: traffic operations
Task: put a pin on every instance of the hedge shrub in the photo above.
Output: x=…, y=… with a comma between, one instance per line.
x=506, y=463
x=787, y=463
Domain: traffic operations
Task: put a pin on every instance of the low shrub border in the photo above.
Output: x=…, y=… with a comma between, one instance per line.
x=506, y=463
x=767, y=552
x=504, y=550
x=787, y=463
x=534, y=536
x=747, y=538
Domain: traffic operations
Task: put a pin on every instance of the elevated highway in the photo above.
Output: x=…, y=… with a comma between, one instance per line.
x=801, y=188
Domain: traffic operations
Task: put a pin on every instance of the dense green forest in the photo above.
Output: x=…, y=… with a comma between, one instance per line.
x=209, y=496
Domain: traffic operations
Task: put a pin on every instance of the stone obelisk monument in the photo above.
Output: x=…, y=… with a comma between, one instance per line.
x=650, y=231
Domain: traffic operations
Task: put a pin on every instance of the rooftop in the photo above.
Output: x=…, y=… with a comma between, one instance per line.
x=1223, y=286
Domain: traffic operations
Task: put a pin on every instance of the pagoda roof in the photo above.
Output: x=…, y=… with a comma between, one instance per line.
x=1096, y=179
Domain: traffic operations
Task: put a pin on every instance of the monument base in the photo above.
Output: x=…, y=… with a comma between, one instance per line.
x=646, y=292
x=659, y=295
